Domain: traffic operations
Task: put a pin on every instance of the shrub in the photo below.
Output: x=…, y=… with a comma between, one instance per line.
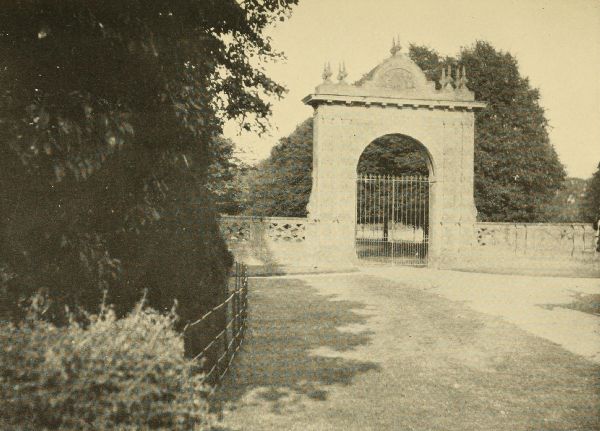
x=183, y=250
x=126, y=373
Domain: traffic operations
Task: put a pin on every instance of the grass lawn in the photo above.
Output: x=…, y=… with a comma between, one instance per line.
x=356, y=352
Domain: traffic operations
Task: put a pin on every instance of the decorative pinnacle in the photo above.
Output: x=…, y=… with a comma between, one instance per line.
x=342, y=73
x=326, y=72
x=396, y=48
x=462, y=81
x=447, y=77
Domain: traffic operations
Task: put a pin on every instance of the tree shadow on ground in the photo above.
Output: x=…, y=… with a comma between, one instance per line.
x=586, y=303
x=288, y=321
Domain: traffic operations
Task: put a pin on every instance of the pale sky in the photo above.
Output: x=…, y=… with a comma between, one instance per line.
x=556, y=42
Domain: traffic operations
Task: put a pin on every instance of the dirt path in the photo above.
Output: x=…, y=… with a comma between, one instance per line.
x=549, y=307
x=360, y=352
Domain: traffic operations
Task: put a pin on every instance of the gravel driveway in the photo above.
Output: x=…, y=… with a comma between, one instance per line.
x=404, y=349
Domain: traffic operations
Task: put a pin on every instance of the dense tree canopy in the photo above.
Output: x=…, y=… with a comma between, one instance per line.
x=226, y=179
x=517, y=171
x=567, y=204
x=393, y=155
x=590, y=207
x=281, y=185
x=107, y=110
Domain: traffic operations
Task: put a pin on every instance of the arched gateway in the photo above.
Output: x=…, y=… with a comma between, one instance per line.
x=395, y=98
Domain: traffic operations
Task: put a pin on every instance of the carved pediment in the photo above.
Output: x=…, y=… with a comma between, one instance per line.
x=400, y=75
x=398, y=79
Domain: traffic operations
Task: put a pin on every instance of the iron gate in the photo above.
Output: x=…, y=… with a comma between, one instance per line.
x=392, y=219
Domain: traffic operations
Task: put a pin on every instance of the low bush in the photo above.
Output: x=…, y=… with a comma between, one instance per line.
x=121, y=374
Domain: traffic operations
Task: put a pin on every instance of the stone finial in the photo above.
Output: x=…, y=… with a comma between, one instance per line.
x=447, y=85
x=462, y=81
x=327, y=72
x=342, y=72
x=446, y=79
x=396, y=48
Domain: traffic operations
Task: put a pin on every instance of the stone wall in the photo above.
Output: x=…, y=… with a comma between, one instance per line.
x=281, y=241
x=543, y=240
x=268, y=241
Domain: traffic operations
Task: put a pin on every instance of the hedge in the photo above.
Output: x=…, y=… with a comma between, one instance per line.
x=122, y=374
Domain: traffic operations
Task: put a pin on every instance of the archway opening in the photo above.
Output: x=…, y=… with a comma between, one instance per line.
x=393, y=201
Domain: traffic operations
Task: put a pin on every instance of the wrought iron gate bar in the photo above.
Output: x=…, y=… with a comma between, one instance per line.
x=392, y=219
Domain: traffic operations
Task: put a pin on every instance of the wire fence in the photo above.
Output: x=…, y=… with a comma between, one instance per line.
x=228, y=320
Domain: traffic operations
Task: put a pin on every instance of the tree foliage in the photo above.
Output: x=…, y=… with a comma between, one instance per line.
x=393, y=155
x=567, y=204
x=517, y=171
x=281, y=185
x=226, y=176
x=107, y=111
x=590, y=209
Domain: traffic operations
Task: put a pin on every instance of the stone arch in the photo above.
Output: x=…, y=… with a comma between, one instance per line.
x=394, y=98
x=425, y=153
x=393, y=207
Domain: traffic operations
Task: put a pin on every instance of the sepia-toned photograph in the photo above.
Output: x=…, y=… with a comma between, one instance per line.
x=231, y=215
